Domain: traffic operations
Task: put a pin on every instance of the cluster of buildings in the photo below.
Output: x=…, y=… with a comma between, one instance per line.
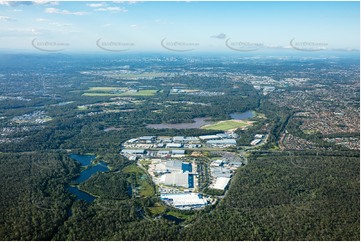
x=257, y=139
x=221, y=172
x=37, y=117
x=177, y=183
x=174, y=146
x=174, y=173
x=195, y=92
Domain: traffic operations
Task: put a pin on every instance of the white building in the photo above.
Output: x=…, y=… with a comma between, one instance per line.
x=209, y=137
x=178, y=179
x=221, y=183
x=256, y=141
x=174, y=145
x=184, y=200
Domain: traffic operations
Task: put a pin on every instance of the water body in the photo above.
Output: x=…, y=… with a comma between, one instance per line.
x=186, y=167
x=198, y=123
x=242, y=116
x=85, y=161
x=81, y=195
x=87, y=173
x=173, y=219
x=191, y=181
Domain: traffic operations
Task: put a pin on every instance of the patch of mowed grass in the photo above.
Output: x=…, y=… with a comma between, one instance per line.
x=225, y=125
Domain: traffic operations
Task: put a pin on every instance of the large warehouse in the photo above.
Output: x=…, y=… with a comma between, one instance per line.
x=184, y=200
x=178, y=179
x=221, y=183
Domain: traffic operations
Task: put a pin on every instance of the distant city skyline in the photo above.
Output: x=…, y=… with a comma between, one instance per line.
x=55, y=26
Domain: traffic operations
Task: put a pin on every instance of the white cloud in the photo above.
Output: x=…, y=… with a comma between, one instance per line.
x=96, y=5
x=107, y=25
x=63, y=12
x=128, y=2
x=134, y=26
x=39, y=2
x=60, y=24
x=42, y=20
x=111, y=9
x=6, y=18
x=36, y=2
x=21, y=32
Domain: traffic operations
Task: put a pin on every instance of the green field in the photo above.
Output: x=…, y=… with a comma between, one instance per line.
x=141, y=93
x=310, y=131
x=145, y=188
x=82, y=108
x=225, y=125
x=102, y=89
x=157, y=209
x=179, y=215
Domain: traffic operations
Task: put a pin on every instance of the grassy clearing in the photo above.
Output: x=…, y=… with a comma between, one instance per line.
x=101, y=89
x=141, y=93
x=82, y=108
x=179, y=215
x=226, y=125
x=145, y=188
x=157, y=209
x=133, y=169
x=310, y=131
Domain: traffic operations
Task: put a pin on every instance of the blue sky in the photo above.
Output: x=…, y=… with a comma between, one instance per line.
x=205, y=26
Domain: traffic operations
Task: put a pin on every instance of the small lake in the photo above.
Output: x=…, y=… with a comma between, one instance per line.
x=85, y=161
x=80, y=194
x=173, y=219
x=242, y=116
x=87, y=173
x=198, y=123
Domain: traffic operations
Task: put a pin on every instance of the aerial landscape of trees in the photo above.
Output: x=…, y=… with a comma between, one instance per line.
x=280, y=194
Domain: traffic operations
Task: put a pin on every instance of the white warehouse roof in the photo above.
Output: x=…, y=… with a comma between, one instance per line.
x=205, y=137
x=221, y=183
x=223, y=141
x=185, y=199
x=176, y=179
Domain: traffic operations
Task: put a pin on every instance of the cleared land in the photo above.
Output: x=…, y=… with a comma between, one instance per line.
x=227, y=125
x=102, y=89
x=145, y=189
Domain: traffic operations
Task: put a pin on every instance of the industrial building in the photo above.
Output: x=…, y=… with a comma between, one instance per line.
x=184, y=200
x=221, y=172
x=174, y=145
x=178, y=179
x=217, y=163
x=134, y=152
x=256, y=142
x=221, y=183
x=222, y=142
x=209, y=137
x=174, y=165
